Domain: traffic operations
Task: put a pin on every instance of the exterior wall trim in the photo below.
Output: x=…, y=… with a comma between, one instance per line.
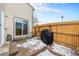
x=2, y=28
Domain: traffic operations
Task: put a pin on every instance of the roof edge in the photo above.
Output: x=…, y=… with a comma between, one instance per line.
x=31, y=6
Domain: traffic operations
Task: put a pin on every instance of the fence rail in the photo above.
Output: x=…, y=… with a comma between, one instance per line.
x=66, y=33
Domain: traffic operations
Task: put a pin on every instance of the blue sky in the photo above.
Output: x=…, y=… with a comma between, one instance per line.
x=52, y=12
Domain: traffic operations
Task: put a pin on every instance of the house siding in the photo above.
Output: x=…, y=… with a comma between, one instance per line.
x=19, y=10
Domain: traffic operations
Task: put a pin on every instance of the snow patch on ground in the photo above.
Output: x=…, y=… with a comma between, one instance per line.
x=46, y=53
x=35, y=43
x=32, y=44
x=63, y=50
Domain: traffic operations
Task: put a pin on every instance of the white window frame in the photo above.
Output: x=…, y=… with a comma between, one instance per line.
x=19, y=20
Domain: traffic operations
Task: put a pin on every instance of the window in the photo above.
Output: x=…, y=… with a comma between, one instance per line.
x=18, y=28
x=21, y=27
x=25, y=27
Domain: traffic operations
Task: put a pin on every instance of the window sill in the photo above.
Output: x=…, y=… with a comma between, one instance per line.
x=21, y=36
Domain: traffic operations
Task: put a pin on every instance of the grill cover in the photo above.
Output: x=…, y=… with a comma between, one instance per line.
x=46, y=36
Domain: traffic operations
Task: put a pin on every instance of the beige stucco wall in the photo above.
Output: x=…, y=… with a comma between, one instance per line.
x=21, y=10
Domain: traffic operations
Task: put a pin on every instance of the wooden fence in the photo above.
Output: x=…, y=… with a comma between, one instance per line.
x=64, y=33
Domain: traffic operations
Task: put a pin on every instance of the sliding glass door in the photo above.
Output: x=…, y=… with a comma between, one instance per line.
x=0, y=27
x=2, y=18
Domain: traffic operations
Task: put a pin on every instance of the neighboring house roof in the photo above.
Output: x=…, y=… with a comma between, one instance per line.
x=31, y=6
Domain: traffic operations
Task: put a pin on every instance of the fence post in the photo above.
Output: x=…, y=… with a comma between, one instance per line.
x=50, y=28
x=35, y=32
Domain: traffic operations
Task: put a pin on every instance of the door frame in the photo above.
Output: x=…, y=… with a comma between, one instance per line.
x=2, y=17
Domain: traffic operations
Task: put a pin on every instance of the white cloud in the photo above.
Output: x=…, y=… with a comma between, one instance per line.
x=43, y=8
